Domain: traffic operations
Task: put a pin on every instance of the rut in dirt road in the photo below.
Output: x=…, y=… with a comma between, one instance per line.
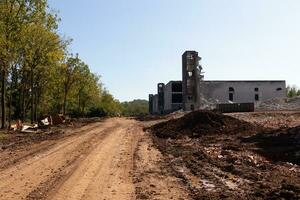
x=113, y=159
x=106, y=172
x=82, y=166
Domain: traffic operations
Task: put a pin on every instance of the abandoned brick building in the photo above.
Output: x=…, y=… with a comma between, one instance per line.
x=193, y=92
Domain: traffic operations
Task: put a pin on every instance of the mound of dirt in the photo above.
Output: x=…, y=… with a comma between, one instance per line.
x=278, y=145
x=149, y=117
x=199, y=123
x=227, y=158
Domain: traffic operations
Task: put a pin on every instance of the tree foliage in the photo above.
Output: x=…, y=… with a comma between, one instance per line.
x=292, y=91
x=135, y=108
x=38, y=74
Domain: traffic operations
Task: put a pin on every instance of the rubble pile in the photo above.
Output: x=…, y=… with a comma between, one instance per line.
x=199, y=123
x=48, y=128
x=220, y=157
x=208, y=104
x=280, y=104
x=270, y=119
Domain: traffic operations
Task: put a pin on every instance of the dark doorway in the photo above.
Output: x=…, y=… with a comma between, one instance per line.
x=230, y=96
x=176, y=98
x=192, y=107
x=177, y=87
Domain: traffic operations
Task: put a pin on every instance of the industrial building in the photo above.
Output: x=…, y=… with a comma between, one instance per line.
x=193, y=92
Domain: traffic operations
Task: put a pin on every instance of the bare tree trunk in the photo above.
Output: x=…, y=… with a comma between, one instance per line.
x=23, y=109
x=35, y=105
x=32, y=97
x=3, y=102
x=13, y=85
x=10, y=104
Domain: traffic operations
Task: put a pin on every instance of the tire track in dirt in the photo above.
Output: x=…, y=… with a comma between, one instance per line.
x=152, y=175
x=106, y=173
x=40, y=147
x=20, y=180
x=113, y=159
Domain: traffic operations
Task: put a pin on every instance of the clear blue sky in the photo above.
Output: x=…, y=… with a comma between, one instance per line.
x=134, y=44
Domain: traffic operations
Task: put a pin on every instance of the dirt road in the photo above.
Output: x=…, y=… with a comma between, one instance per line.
x=113, y=159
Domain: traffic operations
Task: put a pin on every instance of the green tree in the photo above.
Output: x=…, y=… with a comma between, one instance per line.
x=292, y=91
x=135, y=108
x=109, y=105
x=15, y=15
x=70, y=72
x=38, y=73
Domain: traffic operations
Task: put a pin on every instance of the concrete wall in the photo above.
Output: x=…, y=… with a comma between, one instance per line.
x=155, y=104
x=244, y=91
x=169, y=106
x=190, y=80
x=168, y=96
x=150, y=103
x=160, y=93
x=218, y=92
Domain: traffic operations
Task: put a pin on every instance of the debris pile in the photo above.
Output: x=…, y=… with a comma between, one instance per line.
x=199, y=123
x=48, y=129
x=270, y=119
x=208, y=104
x=280, y=104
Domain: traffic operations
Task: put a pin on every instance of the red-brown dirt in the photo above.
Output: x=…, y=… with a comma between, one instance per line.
x=219, y=157
x=199, y=123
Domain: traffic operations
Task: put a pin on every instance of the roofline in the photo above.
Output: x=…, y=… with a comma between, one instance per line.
x=244, y=81
x=174, y=81
x=189, y=51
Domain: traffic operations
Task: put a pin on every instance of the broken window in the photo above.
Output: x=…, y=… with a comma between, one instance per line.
x=177, y=87
x=230, y=96
x=256, y=89
x=256, y=97
x=176, y=98
x=279, y=89
x=190, y=74
x=231, y=91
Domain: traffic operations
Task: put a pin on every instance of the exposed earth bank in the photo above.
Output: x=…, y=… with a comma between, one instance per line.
x=221, y=157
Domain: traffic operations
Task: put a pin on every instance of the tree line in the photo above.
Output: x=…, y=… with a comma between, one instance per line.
x=39, y=75
x=136, y=107
x=292, y=91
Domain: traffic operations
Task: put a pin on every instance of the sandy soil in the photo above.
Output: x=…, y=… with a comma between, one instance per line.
x=113, y=159
x=152, y=176
x=116, y=159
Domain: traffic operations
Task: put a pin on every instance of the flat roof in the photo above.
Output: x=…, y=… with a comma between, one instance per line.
x=174, y=81
x=244, y=81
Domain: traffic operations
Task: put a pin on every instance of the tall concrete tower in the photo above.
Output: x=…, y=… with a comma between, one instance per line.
x=191, y=77
x=151, y=104
x=161, y=102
